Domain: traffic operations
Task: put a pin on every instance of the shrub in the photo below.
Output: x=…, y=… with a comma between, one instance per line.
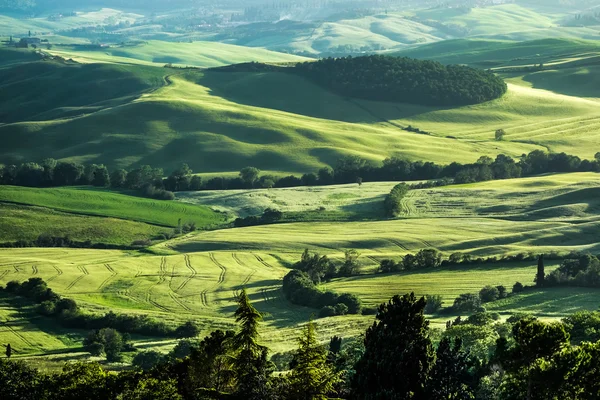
x=489, y=293
x=387, y=266
x=341, y=309
x=434, y=304
x=369, y=311
x=518, y=287
x=187, y=330
x=147, y=359
x=327, y=311
x=467, y=303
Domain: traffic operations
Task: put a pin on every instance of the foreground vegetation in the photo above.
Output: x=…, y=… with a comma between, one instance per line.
x=523, y=358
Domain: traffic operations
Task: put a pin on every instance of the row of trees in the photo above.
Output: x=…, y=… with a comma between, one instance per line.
x=68, y=313
x=404, y=80
x=150, y=181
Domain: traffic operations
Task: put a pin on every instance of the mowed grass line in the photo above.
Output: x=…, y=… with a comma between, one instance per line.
x=87, y=201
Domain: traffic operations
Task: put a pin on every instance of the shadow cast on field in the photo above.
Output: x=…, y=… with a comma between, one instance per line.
x=288, y=92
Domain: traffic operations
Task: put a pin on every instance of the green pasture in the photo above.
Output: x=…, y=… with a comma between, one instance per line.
x=28, y=223
x=448, y=282
x=87, y=201
x=159, y=53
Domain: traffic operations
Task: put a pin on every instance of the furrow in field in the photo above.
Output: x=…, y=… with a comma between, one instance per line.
x=263, y=262
x=84, y=272
x=237, y=259
x=204, y=297
x=18, y=334
x=221, y=266
x=4, y=273
x=113, y=274
x=58, y=273
x=398, y=243
x=34, y=270
x=179, y=302
x=193, y=272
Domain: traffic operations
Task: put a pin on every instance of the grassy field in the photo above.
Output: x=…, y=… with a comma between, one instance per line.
x=501, y=53
x=202, y=286
x=28, y=223
x=539, y=214
x=337, y=201
x=159, y=53
x=87, y=201
x=222, y=122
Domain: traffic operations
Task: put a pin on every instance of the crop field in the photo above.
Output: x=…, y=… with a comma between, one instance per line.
x=351, y=200
x=110, y=204
x=448, y=282
x=545, y=213
x=557, y=197
x=202, y=287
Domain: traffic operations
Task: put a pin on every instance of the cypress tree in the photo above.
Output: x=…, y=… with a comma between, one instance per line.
x=540, y=277
x=312, y=378
x=398, y=353
x=250, y=365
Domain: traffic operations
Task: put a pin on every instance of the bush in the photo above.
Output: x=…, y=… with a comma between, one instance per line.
x=187, y=330
x=467, y=303
x=434, y=304
x=327, y=311
x=392, y=203
x=387, y=266
x=95, y=349
x=147, y=360
x=369, y=311
x=518, y=287
x=341, y=309
x=489, y=294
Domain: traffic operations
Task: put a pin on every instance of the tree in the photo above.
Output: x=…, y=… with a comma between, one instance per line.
x=500, y=134
x=210, y=362
x=249, y=175
x=187, y=330
x=101, y=178
x=597, y=157
x=8, y=351
x=311, y=378
x=518, y=287
x=350, y=265
x=111, y=341
x=489, y=293
x=326, y=176
x=541, y=274
x=147, y=360
x=250, y=364
x=467, y=302
x=117, y=178
x=398, y=353
x=434, y=303
x=450, y=378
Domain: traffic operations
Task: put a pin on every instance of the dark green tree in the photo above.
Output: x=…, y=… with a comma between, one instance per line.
x=251, y=368
x=541, y=274
x=311, y=378
x=8, y=351
x=398, y=353
x=450, y=378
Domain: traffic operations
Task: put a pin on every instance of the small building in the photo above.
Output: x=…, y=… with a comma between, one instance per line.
x=31, y=40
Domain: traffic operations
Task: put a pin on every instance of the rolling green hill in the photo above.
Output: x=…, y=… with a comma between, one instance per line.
x=159, y=53
x=540, y=214
x=86, y=201
x=497, y=53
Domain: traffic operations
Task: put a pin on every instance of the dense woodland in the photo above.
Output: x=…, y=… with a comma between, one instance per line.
x=404, y=80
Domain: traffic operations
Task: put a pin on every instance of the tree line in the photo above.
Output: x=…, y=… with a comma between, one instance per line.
x=67, y=312
x=399, y=357
x=150, y=182
x=404, y=80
